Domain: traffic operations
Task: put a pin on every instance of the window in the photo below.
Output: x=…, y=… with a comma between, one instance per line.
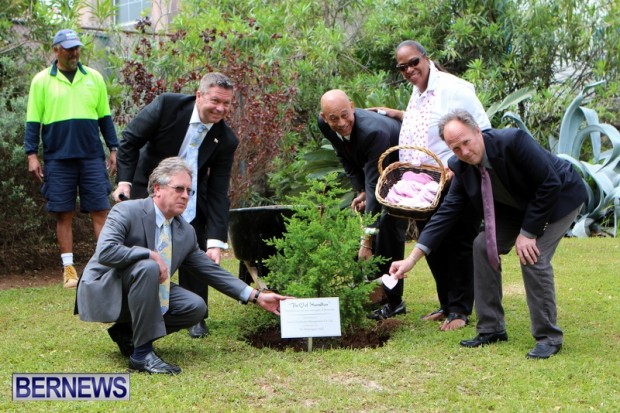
x=130, y=10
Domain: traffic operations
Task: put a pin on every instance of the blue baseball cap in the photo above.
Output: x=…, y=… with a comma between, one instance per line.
x=67, y=39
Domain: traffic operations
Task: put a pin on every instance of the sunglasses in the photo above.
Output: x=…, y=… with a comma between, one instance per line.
x=411, y=63
x=180, y=189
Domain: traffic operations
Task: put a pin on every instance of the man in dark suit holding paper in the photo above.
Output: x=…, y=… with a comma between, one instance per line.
x=535, y=198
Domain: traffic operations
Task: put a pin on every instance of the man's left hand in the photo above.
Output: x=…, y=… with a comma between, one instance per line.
x=527, y=251
x=271, y=301
x=215, y=254
x=364, y=253
x=359, y=202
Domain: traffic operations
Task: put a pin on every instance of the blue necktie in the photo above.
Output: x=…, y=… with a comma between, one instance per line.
x=164, y=247
x=191, y=157
x=489, y=217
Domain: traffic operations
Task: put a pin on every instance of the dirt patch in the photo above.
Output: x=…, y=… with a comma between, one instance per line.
x=31, y=279
x=35, y=258
x=373, y=337
x=38, y=265
x=8, y=281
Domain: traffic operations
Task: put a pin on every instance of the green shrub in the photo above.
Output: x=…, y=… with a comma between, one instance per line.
x=317, y=256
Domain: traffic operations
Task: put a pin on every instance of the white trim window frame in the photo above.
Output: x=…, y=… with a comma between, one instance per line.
x=129, y=11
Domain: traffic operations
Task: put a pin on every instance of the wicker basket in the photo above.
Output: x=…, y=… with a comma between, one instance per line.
x=394, y=173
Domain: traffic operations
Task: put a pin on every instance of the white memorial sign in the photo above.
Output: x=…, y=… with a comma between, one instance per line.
x=310, y=317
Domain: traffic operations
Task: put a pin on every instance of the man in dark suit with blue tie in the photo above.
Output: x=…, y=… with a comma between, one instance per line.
x=536, y=196
x=359, y=138
x=166, y=127
x=121, y=282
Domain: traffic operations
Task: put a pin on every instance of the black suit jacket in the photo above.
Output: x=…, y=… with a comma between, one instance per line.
x=545, y=187
x=156, y=133
x=372, y=135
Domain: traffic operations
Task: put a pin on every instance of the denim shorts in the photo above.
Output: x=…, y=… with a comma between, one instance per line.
x=63, y=177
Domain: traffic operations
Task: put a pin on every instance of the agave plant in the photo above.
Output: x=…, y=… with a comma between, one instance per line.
x=511, y=100
x=601, y=169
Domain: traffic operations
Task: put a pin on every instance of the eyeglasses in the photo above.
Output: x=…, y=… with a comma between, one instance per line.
x=179, y=190
x=411, y=63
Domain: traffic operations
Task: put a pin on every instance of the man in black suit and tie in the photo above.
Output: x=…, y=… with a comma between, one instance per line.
x=359, y=138
x=172, y=125
x=122, y=282
x=535, y=198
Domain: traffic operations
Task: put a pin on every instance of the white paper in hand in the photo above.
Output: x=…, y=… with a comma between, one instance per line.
x=389, y=281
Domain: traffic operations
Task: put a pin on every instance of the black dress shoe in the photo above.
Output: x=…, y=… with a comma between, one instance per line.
x=198, y=330
x=122, y=335
x=544, y=351
x=152, y=364
x=387, y=311
x=484, y=339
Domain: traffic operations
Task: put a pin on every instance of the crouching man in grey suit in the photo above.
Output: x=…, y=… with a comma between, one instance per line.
x=125, y=280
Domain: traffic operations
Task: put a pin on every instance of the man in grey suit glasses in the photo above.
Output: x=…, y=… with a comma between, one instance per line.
x=121, y=282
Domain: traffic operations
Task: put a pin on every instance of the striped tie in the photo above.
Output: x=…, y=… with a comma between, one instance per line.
x=191, y=157
x=164, y=247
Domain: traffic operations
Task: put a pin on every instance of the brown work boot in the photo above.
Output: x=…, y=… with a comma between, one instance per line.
x=70, y=277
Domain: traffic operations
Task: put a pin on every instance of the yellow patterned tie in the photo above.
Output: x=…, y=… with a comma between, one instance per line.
x=164, y=247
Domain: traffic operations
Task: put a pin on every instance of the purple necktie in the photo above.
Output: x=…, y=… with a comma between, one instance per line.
x=489, y=217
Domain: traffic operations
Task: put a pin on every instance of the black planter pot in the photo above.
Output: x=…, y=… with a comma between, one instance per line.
x=249, y=228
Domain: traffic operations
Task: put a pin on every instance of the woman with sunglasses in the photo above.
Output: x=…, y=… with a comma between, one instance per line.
x=436, y=93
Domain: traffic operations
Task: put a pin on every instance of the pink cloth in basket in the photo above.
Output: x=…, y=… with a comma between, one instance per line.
x=421, y=177
x=415, y=190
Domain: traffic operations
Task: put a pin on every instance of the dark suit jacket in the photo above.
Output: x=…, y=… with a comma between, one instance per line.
x=545, y=187
x=372, y=135
x=156, y=133
x=127, y=237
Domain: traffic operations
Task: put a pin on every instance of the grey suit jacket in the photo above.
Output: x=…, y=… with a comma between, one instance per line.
x=127, y=237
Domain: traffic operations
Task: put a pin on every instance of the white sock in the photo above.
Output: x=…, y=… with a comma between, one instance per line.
x=67, y=258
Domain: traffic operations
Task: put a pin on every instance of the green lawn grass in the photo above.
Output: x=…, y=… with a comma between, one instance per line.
x=419, y=370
